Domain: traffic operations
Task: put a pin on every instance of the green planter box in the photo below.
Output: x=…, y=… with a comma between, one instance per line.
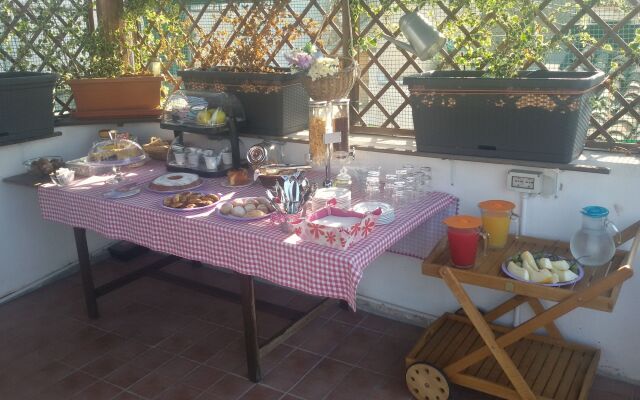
x=26, y=105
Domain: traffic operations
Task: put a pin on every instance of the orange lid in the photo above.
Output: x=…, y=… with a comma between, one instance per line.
x=463, y=222
x=496, y=205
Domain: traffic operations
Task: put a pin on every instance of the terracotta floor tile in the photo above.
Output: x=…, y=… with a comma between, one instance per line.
x=350, y=317
x=127, y=396
x=606, y=384
x=93, y=350
x=269, y=325
x=169, y=333
x=68, y=386
x=387, y=357
x=303, y=334
x=230, y=387
x=151, y=359
x=176, y=343
x=180, y=392
x=203, y=377
x=98, y=391
x=231, y=358
x=260, y=392
x=129, y=349
x=207, y=347
x=362, y=384
x=356, y=346
x=127, y=375
x=286, y=374
x=103, y=366
x=177, y=367
x=321, y=380
x=323, y=341
x=152, y=385
x=375, y=323
x=226, y=314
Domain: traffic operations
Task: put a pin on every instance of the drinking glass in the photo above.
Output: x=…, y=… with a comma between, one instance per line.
x=389, y=181
x=423, y=177
x=399, y=193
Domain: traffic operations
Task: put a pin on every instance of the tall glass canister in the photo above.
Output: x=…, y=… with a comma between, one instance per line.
x=341, y=123
x=318, y=114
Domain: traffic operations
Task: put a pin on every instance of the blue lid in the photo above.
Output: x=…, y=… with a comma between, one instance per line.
x=595, y=211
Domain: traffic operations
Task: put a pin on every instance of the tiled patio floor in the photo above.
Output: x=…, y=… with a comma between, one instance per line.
x=156, y=340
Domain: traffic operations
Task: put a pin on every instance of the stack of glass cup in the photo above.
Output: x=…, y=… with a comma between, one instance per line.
x=406, y=184
x=372, y=185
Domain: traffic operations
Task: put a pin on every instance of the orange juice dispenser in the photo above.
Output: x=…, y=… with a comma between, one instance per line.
x=496, y=219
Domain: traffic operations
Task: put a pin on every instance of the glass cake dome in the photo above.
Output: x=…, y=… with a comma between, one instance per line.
x=201, y=109
x=116, y=152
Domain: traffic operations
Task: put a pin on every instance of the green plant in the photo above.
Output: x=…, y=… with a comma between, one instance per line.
x=256, y=30
x=150, y=30
x=500, y=37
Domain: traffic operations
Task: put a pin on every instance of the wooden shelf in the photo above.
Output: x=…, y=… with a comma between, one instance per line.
x=553, y=368
x=487, y=271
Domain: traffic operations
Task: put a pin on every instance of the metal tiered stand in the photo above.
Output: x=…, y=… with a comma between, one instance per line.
x=214, y=115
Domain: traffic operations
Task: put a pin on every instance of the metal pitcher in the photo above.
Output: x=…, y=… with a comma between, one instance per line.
x=424, y=39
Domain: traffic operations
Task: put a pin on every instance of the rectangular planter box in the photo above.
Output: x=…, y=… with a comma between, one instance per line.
x=537, y=116
x=134, y=96
x=275, y=104
x=26, y=105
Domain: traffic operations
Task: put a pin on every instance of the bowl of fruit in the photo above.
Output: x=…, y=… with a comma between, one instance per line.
x=543, y=269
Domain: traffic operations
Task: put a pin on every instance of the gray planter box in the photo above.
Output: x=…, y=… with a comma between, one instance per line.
x=275, y=104
x=26, y=105
x=537, y=116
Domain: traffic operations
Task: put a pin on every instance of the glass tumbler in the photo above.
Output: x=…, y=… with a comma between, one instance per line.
x=399, y=193
x=389, y=181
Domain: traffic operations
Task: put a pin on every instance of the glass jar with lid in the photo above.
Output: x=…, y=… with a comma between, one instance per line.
x=318, y=114
x=341, y=123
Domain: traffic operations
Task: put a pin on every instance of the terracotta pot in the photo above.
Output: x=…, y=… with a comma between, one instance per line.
x=135, y=96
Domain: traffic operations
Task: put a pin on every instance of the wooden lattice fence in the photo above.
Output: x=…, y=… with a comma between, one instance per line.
x=45, y=35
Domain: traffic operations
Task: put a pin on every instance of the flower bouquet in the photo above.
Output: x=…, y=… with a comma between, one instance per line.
x=325, y=78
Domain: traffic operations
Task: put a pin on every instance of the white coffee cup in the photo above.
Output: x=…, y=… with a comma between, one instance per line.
x=63, y=176
x=226, y=158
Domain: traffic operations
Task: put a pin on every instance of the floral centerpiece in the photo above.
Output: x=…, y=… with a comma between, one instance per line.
x=325, y=78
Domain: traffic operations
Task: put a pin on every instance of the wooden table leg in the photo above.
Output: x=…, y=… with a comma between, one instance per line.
x=85, y=272
x=250, y=327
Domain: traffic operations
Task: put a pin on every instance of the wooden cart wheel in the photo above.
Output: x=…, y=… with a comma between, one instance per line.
x=427, y=382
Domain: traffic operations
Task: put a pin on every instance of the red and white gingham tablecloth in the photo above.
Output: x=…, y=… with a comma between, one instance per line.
x=253, y=247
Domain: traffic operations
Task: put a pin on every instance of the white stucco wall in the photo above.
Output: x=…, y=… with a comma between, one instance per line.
x=33, y=249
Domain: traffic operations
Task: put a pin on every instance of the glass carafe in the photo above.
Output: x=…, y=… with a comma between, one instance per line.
x=593, y=244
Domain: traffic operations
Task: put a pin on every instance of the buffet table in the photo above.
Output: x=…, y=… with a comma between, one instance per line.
x=250, y=248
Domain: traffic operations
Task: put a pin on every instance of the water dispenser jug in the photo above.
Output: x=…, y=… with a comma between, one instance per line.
x=593, y=244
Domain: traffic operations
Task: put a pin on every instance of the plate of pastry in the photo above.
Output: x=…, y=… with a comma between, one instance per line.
x=190, y=201
x=175, y=182
x=246, y=209
x=238, y=178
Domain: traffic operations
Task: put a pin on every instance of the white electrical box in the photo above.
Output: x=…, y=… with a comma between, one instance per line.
x=524, y=181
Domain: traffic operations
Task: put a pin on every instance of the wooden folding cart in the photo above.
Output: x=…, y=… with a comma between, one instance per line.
x=513, y=363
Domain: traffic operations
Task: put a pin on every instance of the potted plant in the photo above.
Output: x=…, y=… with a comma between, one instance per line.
x=274, y=99
x=123, y=65
x=494, y=108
